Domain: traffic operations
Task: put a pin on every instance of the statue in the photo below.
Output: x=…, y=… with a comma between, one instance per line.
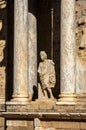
x=47, y=76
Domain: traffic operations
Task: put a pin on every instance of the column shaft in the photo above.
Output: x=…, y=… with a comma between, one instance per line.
x=68, y=49
x=20, y=50
x=32, y=46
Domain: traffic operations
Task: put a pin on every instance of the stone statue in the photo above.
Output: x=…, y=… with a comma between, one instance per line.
x=47, y=76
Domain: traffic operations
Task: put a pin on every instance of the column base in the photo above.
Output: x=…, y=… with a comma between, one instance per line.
x=67, y=99
x=81, y=99
x=2, y=100
x=81, y=102
x=20, y=98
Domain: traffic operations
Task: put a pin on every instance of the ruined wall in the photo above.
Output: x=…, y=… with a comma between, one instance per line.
x=43, y=42
x=45, y=125
x=80, y=46
x=6, y=64
x=3, y=48
x=7, y=27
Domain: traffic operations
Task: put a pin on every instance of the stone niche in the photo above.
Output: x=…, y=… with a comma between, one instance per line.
x=49, y=34
x=47, y=39
x=43, y=11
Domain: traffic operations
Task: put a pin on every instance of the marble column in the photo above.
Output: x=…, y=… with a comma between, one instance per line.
x=68, y=51
x=20, y=91
x=32, y=46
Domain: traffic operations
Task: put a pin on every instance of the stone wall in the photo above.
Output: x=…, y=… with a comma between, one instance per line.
x=81, y=46
x=6, y=63
x=80, y=42
x=45, y=125
x=19, y=124
x=2, y=123
x=63, y=125
x=3, y=50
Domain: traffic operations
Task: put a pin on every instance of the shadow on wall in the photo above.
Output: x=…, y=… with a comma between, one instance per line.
x=48, y=34
x=10, y=40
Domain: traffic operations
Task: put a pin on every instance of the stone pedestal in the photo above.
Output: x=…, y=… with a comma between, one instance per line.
x=68, y=51
x=32, y=47
x=20, y=92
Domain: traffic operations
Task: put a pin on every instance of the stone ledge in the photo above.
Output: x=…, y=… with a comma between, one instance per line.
x=44, y=115
x=43, y=106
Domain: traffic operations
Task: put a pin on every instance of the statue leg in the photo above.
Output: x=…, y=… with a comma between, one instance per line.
x=50, y=92
x=45, y=93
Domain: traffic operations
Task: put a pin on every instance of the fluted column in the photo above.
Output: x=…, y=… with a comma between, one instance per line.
x=32, y=46
x=68, y=51
x=20, y=91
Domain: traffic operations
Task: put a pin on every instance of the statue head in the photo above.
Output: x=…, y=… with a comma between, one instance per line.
x=43, y=55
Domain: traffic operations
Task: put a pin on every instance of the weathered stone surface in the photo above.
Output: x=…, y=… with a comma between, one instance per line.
x=19, y=124
x=80, y=82
x=51, y=128
x=18, y=128
x=61, y=124
x=47, y=77
x=20, y=91
x=32, y=48
x=37, y=122
x=68, y=48
x=2, y=54
x=2, y=104
x=2, y=123
x=16, y=123
x=83, y=125
x=81, y=51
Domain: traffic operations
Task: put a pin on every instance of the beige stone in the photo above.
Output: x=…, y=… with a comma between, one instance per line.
x=3, y=4
x=83, y=125
x=16, y=123
x=68, y=52
x=32, y=50
x=2, y=121
x=20, y=91
x=37, y=122
x=2, y=46
x=50, y=129
x=61, y=124
x=47, y=75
